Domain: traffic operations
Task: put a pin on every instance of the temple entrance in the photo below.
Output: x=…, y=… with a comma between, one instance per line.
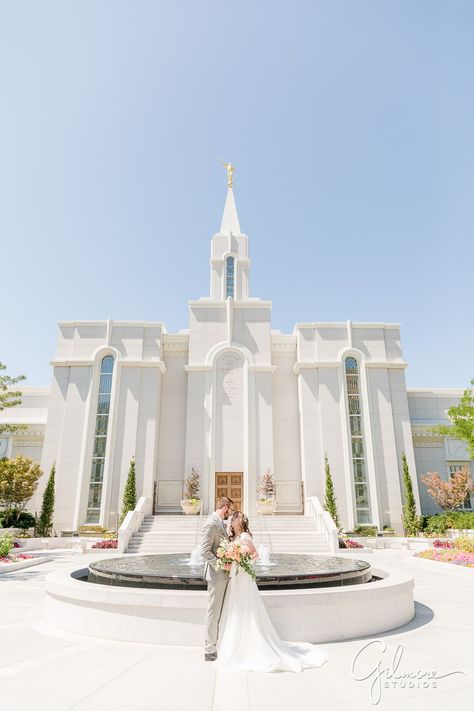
x=230, y=484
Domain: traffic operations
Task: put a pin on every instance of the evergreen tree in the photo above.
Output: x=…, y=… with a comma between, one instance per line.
x=411, y=521
x=330, y=498
x=45, y=521
x=130, y=492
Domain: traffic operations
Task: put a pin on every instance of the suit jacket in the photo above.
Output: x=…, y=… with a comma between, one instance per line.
x=211, y=535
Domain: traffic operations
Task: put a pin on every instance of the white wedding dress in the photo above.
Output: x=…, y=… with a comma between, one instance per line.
x=247, y=639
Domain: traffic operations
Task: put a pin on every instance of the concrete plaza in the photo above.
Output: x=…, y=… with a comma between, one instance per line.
x=43, y=668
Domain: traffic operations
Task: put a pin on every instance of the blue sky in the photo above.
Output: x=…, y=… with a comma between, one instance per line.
x=351, y=125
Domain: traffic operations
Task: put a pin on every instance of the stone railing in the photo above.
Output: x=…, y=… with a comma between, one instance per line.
x=324, y=523
x=132, y=522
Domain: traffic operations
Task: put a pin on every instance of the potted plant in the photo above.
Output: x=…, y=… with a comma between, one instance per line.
x=191, y=504
x=266, y=504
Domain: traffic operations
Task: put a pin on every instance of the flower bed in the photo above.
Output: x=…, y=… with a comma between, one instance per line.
x=443, y=544
x=14, y=558
x=446, y=555
x=110, y=543
x=349, y=543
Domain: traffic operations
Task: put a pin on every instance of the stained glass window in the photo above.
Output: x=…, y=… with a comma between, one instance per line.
x=100, y=440
x=229, y=276
x=354, y=406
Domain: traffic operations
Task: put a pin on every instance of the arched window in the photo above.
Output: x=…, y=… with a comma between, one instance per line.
x=100, y=440
x=229, y=277
x=359, y=468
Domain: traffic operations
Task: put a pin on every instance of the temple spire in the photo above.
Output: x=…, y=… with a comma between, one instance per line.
x=230, y=219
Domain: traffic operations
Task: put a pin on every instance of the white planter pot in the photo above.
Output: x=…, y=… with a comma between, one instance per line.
x=266, y=509
x=190, y=509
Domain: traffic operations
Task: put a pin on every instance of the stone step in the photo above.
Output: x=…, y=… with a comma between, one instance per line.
x=181, y=534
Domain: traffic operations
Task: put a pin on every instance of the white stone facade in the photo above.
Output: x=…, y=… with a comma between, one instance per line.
x=231, y=395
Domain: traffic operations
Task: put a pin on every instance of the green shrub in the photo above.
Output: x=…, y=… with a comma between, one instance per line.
x=92, y=530
x=365, y=530
x=449, y=519
x=6, y=544
x=15, y=518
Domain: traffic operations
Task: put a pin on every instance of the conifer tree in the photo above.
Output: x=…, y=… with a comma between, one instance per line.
x=45, y=521
x=130, y=492
x=330, y=498
x=411, y=521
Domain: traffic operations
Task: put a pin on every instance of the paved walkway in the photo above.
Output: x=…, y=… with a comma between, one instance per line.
x=42, y=668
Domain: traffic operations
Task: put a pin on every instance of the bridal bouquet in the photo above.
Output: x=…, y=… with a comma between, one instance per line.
x=231, y=556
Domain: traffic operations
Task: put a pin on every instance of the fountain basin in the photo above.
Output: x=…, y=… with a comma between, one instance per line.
x=174, y=571
x=176, y=617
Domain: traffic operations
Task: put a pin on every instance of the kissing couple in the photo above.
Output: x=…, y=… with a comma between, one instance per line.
x=239, y=633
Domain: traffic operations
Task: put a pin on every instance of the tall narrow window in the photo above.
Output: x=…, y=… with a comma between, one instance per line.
x=229, y=277
x=100, y=440
x=361, y=484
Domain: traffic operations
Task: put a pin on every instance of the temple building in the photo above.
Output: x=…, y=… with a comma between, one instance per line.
x=233, y=398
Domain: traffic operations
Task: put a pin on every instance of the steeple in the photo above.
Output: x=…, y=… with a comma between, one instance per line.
x=230, y=219
x=229, y=252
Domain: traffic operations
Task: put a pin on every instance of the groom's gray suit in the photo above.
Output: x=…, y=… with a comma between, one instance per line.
x=213, y=532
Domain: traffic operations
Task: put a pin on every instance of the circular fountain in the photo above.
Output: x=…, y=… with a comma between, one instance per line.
x=176, y=572
x=162, y=599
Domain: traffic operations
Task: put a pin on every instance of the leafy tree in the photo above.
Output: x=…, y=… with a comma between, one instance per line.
x=9, y=398
x=18, y=482
x=411, y=521
x=267, y=486
x=330, y=497
x=191, y=486
x=462, y=420
x=130, y=491
x=449, y=494
x=45, y=521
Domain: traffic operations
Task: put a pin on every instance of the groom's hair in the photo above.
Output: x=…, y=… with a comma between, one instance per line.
x=223, y=501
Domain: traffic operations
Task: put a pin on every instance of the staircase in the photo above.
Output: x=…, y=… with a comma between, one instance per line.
x=181, y=534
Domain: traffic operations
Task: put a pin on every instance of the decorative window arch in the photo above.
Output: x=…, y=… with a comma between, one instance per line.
x=229, y=276
x=100, y=439
x=357, y=447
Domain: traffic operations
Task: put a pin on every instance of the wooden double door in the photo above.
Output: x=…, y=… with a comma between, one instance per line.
x=230, y=484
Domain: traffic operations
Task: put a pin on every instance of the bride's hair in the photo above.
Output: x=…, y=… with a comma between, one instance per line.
x=244, y=524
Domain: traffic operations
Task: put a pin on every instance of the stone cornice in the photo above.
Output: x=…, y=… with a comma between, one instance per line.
x=343, y=324
x=428, y=392
x=196, y=368
x=23, y=420
x=299, y=365
x=76, y=362
x=31, y=389
x=217, y=260
x=257, y=304
x=176, y=343
x=103, y=322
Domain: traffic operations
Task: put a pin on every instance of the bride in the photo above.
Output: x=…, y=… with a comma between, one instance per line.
x=247, y=638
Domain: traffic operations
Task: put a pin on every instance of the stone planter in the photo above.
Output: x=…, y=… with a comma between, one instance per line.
x=189, y=508
x=266, y=508
x=456, y=532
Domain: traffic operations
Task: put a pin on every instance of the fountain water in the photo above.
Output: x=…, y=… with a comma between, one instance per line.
x=264, y=555
x=196, y=558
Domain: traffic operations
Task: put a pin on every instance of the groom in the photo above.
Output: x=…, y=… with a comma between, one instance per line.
x=213, y=532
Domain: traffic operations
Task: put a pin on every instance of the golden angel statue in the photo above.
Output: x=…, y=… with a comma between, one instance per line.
x=230, y=172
